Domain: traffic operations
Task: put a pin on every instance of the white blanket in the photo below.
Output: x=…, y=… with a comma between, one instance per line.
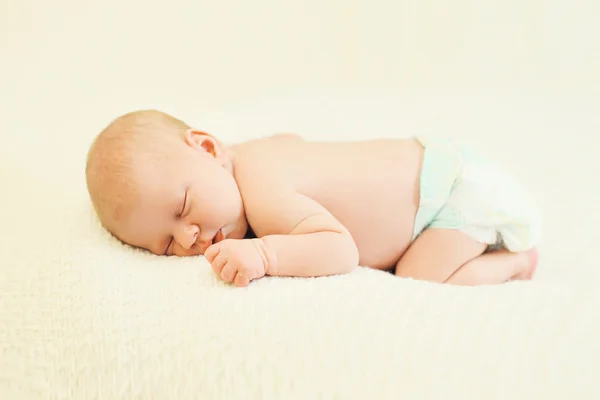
x=84, y=317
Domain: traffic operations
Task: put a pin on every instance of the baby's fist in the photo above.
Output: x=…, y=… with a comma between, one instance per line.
x=238, y=261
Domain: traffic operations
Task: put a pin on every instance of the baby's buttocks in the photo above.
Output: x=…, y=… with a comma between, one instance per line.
x=465, y=191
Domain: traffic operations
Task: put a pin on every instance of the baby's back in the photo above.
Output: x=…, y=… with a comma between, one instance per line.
x=371, y=187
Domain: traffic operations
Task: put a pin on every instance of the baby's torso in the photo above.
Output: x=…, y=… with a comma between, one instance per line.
x=371, y=187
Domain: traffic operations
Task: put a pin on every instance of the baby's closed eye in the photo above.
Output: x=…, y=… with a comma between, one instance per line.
x=182, y=210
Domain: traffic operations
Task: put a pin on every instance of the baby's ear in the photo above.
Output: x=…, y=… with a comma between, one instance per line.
x=203, y=141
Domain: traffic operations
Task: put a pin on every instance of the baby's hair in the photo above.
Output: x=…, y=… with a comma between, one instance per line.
x=110, y=159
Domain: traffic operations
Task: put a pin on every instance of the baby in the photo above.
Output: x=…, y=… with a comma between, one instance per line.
x=424, y=207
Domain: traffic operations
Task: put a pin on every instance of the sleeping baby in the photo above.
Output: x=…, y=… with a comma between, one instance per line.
x=423, y=207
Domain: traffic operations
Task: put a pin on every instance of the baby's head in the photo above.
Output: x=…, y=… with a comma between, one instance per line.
x=160, y=185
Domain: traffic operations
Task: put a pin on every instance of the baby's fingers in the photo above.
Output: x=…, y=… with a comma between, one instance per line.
x=218, y=264
x=241, y=280
x=212, y=252
x=228, y=272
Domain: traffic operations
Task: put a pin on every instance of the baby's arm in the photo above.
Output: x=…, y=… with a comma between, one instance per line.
x=297, y=237
x=317, y=245
x=300, y=236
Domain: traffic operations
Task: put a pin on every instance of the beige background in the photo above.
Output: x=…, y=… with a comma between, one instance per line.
x=87, y=60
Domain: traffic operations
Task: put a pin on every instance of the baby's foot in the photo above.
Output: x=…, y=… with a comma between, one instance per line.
x=530, y=261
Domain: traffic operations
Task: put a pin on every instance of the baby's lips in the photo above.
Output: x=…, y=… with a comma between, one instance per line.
x=219, y=236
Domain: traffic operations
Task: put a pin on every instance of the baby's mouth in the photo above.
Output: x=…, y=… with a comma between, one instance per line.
x=219, y=236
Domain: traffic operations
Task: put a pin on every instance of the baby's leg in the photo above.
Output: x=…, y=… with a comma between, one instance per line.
x=496, y=267
x=436, y=255
x=446, y=255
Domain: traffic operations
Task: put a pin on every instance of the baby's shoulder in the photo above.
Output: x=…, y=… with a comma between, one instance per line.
x=267, y=151
x=285, y=137
x=261, y=159
x=276, y=140
x=260, y=173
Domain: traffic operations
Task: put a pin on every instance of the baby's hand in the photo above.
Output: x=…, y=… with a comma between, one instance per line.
x=238, y=261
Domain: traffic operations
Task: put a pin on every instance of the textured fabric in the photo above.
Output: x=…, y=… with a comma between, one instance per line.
x=462, y=190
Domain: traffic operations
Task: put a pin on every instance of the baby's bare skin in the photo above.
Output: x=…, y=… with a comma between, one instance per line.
x=378, y=176
x=316, y=208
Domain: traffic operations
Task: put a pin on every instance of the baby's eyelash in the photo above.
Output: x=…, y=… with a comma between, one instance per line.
x=180, y=214
x=187, y=204
x=169, y=246
x=186, y=213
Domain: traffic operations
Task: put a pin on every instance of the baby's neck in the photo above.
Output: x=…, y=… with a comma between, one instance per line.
x=230, y=154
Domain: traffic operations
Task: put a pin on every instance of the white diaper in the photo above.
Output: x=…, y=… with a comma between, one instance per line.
x=463, y=191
